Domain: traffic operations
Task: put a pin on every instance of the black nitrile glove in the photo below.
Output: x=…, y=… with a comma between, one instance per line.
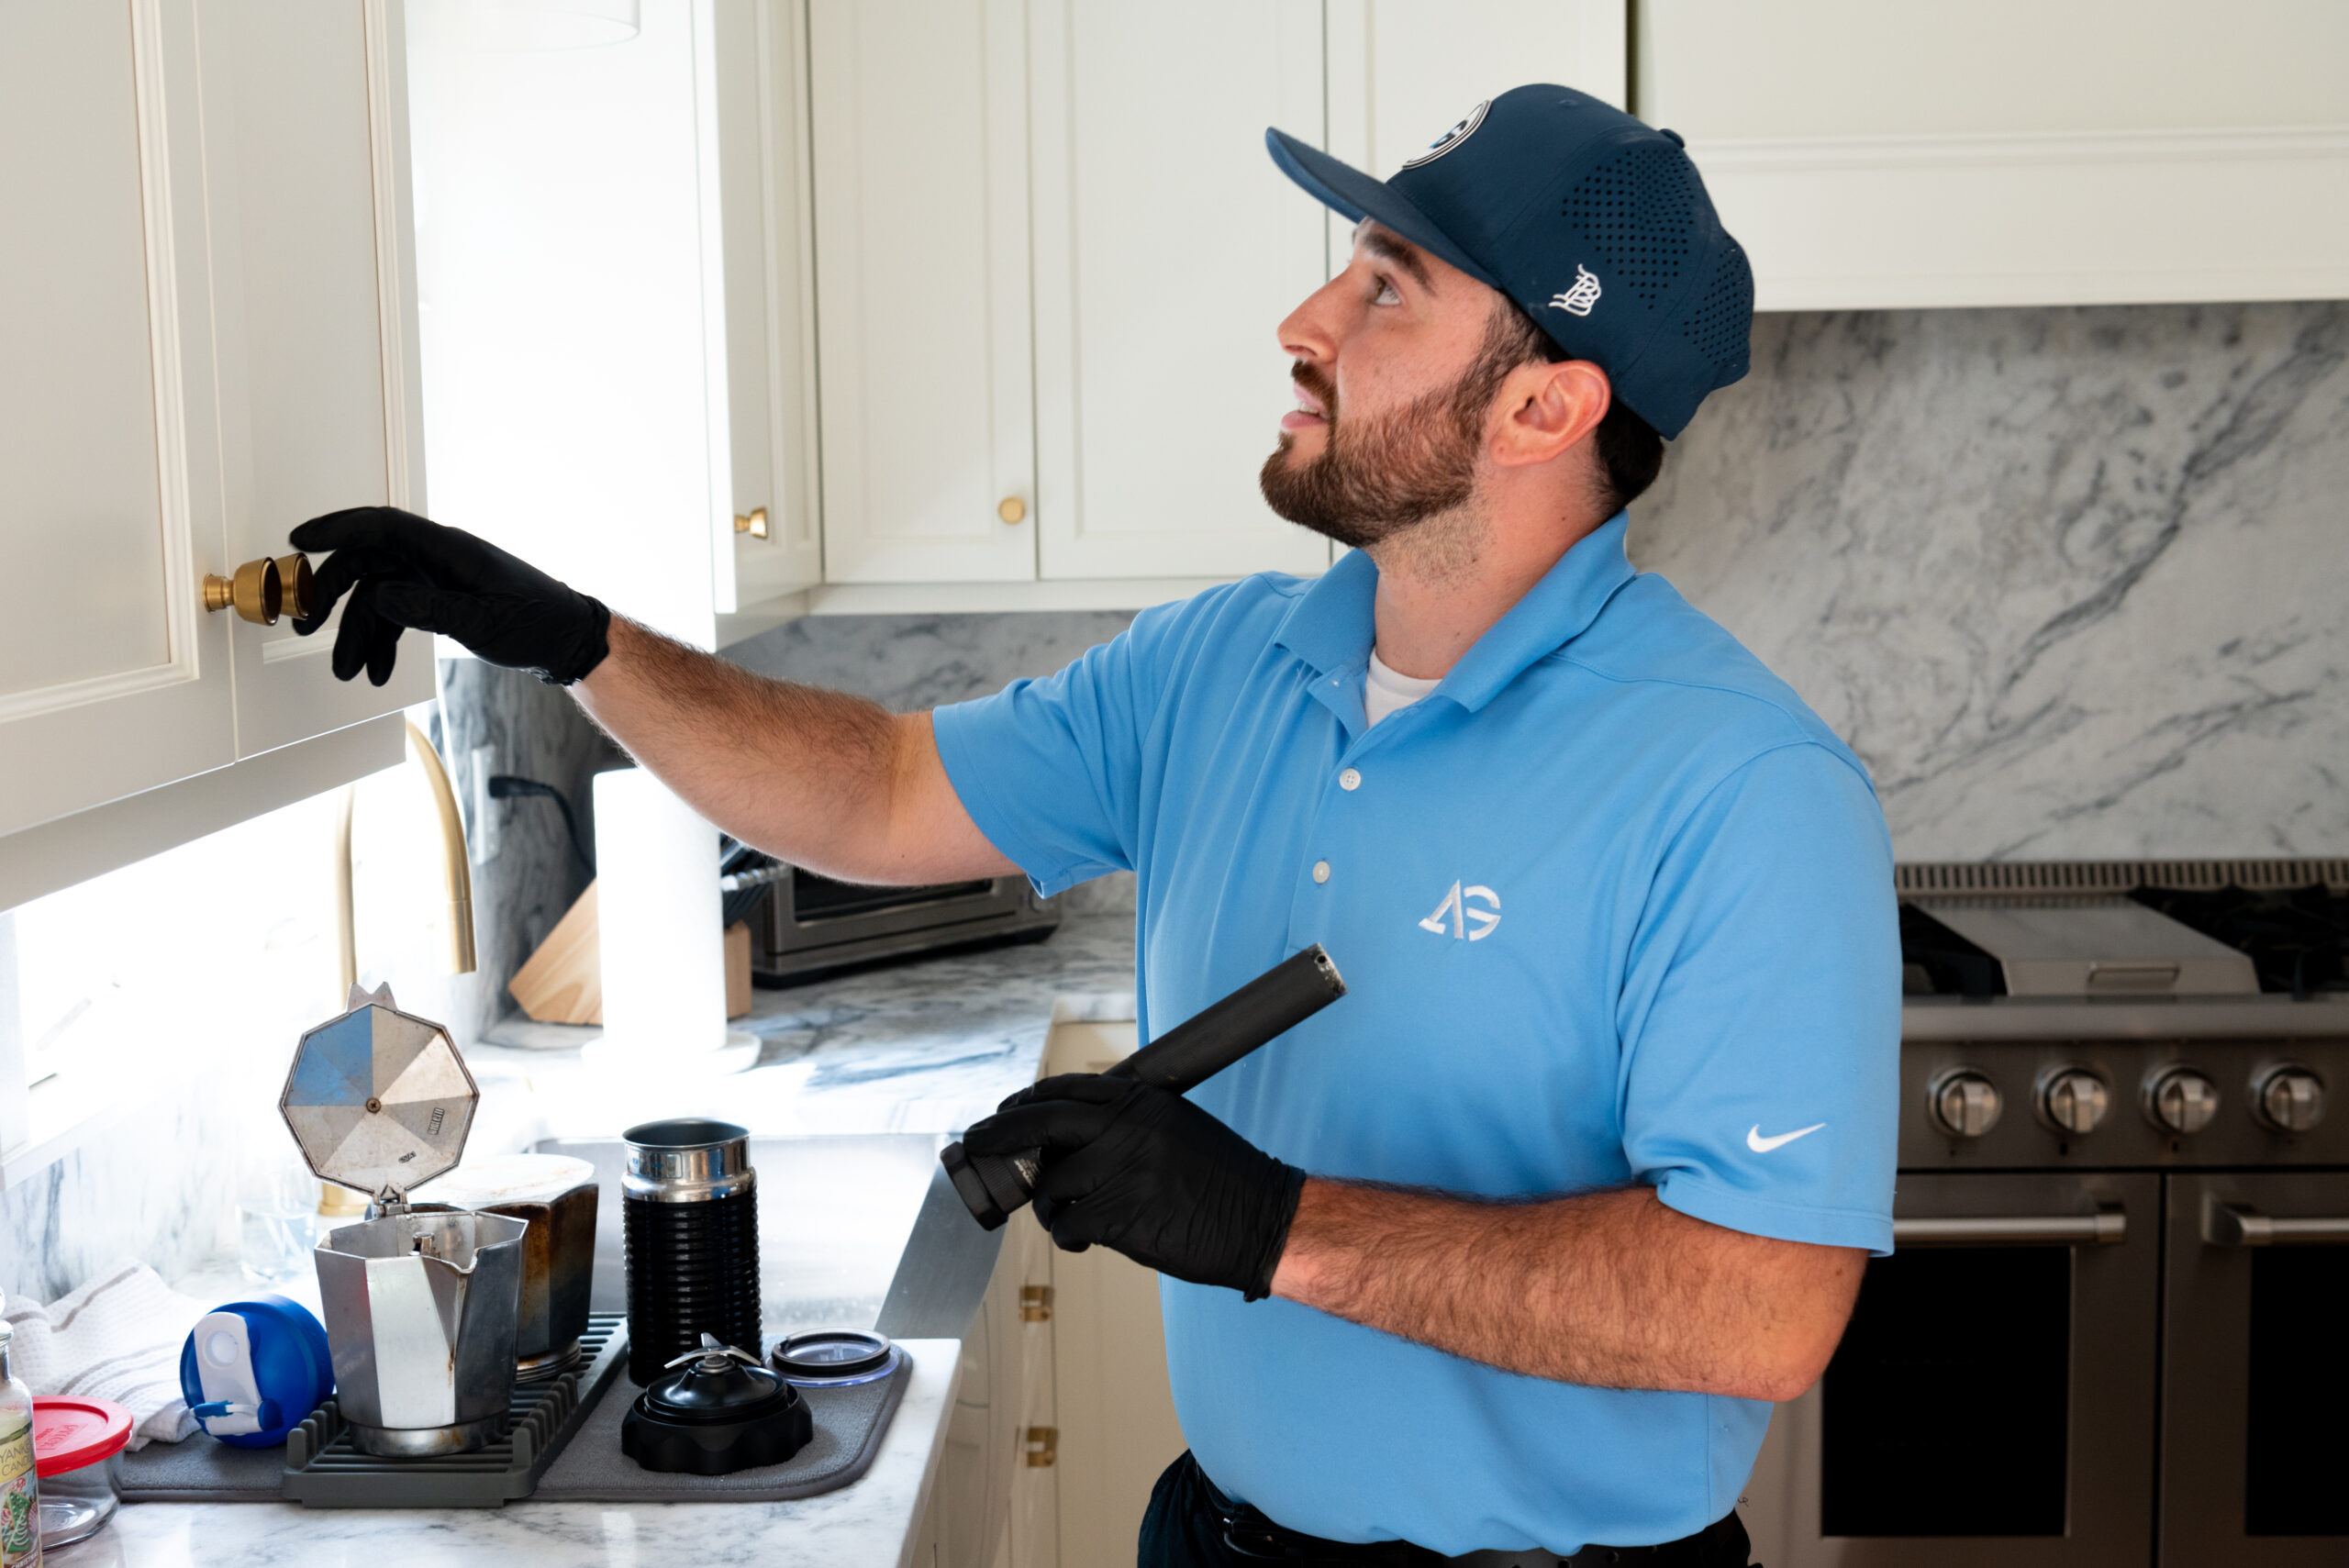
x=404, y=571
x=1146, y=1173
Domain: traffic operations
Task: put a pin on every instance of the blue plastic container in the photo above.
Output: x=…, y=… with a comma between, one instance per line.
x=251, y=1371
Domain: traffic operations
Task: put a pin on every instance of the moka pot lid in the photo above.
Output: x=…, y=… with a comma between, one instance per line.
x=379, y=1099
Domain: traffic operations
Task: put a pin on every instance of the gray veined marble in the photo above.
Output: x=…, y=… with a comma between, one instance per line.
x=2073, y=582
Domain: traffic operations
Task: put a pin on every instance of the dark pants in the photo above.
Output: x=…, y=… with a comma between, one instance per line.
x=1186, y=1528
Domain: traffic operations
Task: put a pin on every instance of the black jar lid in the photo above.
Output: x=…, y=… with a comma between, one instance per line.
x=834, y=1356
x=719, y=1411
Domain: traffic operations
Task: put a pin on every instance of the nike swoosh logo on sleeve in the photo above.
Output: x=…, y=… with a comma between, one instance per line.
x=1761, y=1145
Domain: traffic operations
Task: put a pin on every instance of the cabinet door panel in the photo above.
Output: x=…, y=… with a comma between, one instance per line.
x=1168, y=249
x=316, y=361
x=921, y=270
x=111, y=679
x=761, y=84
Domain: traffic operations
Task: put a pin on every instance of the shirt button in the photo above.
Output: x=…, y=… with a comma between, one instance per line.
x=1350, y=779
x=1320, y=870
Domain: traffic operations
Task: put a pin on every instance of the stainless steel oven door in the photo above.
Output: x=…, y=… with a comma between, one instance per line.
x=1993, y=1399
x=2256, y=1371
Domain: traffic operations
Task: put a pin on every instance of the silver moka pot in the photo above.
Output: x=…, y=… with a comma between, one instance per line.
x=422, y=1308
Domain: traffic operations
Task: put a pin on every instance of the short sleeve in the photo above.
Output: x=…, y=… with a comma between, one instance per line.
x=1761, y=1011
x=1051, y=770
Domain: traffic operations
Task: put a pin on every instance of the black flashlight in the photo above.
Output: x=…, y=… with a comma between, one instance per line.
x=993, y=1186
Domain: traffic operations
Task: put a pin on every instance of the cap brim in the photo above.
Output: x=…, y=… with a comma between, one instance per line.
x=1354, y=194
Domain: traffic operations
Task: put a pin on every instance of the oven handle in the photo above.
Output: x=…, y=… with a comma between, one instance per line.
x=2106, y=1226
x=2240, y=1225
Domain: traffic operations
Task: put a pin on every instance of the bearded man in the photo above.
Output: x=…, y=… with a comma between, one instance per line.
x=1508, y=1254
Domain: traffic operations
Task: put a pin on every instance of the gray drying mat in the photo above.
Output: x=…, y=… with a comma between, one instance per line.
x=850, y=1424
x=318, y=1465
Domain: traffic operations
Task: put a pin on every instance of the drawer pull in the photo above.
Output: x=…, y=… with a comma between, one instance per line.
x=2102, y=1229
x=2240, y=1225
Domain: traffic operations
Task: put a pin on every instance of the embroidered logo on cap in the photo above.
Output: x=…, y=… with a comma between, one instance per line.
x=1451, y=138
x=1577, y=300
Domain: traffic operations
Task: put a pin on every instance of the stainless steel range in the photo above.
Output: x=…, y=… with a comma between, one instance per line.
x=2116, y=1327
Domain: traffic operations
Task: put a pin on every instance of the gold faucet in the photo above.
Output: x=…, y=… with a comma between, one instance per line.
x=456, y=875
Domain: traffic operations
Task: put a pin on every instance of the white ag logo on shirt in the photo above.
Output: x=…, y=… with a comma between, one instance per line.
x=1457, y=913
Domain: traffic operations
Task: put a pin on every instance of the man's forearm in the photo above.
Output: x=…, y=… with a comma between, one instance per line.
x=823, y=779
x=1611, y=1288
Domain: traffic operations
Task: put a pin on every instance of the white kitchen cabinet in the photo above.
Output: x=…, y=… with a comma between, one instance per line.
x=918, y=111
x=2013, y=152
x=207, y=334
x=758, y=63
x=1050, y=257
x=1168, y=249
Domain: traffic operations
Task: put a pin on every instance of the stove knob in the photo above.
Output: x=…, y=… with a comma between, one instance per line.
x=2290, y=1099
x=2075, y=1100
x=2181, y=1100
x=1965, y=1104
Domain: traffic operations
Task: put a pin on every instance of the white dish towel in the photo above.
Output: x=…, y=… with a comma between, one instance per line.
x=117, y=1338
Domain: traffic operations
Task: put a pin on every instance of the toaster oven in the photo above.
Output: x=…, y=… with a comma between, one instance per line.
x=809, y=926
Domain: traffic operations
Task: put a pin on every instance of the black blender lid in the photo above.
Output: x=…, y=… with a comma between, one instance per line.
x=717, y=1412
x=716, y=1383
x=834, y=1355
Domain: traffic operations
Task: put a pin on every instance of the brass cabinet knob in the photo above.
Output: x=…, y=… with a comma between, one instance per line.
x=299, y=585
x=257, y=592
x=754, y=523
x=1012, y=509
x=264, y=590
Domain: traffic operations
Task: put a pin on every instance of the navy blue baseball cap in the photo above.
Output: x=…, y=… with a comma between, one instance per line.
x=1597, y=225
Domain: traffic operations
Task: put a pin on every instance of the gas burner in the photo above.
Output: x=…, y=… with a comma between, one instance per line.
x=2297, y=939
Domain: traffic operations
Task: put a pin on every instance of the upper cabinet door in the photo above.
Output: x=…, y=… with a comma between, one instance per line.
x=2015, y=153
x=774, y=540
x=306, y=120
x=918, y=116
x=1168, y=249
x=1403, y=72
x=112, y=678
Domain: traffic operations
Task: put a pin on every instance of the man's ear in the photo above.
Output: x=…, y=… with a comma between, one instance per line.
x=1547, y=410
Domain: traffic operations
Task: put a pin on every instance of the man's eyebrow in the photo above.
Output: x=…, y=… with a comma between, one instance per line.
x=1387, y=246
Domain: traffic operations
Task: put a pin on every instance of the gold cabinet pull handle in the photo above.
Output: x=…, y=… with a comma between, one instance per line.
x=1012, y=509
x=257, y=593
x=754, y=523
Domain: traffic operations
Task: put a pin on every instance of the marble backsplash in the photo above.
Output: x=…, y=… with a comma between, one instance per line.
x=2075, y=583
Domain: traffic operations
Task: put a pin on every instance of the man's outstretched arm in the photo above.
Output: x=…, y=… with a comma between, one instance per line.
x=1611, y=1288
x=825, y=781
x=822, y=779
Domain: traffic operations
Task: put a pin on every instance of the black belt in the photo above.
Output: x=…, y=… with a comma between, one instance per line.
x=1254, y=1537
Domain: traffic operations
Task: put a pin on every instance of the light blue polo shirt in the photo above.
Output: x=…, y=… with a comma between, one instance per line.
x=1612, y=905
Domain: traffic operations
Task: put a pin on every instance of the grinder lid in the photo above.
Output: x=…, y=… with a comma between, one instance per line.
x=718, y=1412
x=379, y=1099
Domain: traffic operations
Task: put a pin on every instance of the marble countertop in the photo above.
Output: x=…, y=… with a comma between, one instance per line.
x=928, y=1047
x=925, y=1048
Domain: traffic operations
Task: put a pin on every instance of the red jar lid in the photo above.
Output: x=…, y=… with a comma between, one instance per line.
x=70, y=1433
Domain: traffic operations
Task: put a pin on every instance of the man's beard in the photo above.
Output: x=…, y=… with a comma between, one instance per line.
x=1381, y=475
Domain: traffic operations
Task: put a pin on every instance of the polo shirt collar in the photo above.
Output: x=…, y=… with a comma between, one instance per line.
x=1332, y=625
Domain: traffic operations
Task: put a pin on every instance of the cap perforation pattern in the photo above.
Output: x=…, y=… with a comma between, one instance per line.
x=1717, y=329
x=1637, y=210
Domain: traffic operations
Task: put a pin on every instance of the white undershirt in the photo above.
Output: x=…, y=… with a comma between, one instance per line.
x=1383, y=691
